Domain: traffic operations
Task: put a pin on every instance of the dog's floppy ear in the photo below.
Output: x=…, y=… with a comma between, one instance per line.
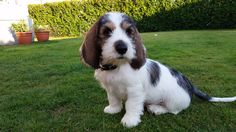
x=90, y=49
x=140, y=52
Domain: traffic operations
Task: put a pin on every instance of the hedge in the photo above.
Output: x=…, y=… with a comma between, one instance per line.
x=73, y=18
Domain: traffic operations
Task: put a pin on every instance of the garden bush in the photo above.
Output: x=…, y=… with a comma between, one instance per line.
x=73, y=18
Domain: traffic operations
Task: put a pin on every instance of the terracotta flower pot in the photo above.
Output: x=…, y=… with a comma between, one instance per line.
x=42, y=36
x=24, y=37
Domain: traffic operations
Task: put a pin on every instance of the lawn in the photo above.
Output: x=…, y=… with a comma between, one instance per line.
x=44, y=87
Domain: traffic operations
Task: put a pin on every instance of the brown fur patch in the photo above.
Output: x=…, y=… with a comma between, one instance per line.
x=125, y=25
x=140, y=52
x=128, y=28
x=90, y=49
x=109, y=25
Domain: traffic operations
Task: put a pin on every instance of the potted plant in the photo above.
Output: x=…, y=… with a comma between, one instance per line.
x=24, y=36
x=41, y=32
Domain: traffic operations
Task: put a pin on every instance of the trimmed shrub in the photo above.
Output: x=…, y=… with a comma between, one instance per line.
x=73, y=18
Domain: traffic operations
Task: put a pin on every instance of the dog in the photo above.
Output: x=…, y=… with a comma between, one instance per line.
x=113, y=47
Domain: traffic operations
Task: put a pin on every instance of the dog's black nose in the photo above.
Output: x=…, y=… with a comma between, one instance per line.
x=121, y=47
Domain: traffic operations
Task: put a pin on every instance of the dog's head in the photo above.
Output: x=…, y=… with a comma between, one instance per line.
x=113, y=39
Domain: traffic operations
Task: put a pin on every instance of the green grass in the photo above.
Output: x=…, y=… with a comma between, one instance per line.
x=44, y=87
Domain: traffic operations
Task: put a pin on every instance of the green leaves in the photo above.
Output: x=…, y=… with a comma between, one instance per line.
x=21, y=26
x=73, y=18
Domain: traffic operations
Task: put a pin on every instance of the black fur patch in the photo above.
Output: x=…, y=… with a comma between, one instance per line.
x=188, y=86
x=182, y=81
x=103, y=20
x=129, y=20
x=201, y=95
x=154, y=72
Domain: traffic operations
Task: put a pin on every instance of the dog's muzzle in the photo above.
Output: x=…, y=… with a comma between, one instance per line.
x=121, y=47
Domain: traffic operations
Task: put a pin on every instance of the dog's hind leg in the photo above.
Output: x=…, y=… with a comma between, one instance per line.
x=157, y=109
x=176, y=104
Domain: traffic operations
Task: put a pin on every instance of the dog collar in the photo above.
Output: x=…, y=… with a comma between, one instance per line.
x=107, y=67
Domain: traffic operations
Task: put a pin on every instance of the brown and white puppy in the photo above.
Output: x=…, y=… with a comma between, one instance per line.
x=113, y=47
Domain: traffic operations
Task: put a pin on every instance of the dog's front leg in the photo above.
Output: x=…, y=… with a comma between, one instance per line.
x=115, y=103
x=133, y=106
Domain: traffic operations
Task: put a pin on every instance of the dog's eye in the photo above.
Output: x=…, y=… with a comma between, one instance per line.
x=107, y=31
x=129, y=31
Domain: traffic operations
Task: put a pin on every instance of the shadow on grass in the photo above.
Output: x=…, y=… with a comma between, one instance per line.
x=56, y=41
x=51, y=41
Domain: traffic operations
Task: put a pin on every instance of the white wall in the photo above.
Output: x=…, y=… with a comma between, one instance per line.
x=10, y=13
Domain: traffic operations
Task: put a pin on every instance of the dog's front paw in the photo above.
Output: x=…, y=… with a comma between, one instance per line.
x=112, y=110
x=130, y=120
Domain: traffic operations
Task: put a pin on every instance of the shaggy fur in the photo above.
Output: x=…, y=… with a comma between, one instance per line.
x=113, y=47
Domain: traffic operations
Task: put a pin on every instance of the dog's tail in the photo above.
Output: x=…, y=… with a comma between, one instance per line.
x=206, y=97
